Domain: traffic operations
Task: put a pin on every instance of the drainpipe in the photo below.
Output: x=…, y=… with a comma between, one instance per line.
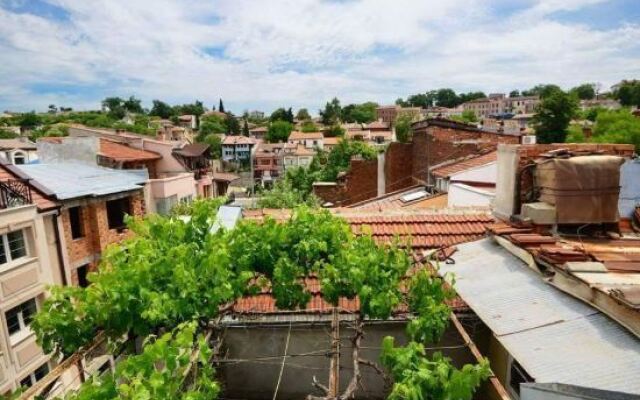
x=56, y=229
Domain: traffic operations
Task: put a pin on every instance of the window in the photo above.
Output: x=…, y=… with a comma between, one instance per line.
x=517, y=375
x=75, y=219
x=12, y=247
x=82, y=271
x=18, y=159
x=116, y=210
x=35, y=376
x=20, y=316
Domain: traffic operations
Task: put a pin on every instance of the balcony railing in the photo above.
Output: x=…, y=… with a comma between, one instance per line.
x=14, y=193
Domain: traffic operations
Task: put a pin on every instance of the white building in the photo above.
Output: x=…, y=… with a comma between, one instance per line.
x=237, y=148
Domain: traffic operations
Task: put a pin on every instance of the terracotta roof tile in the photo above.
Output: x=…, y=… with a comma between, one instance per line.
x=295, y=135
x=122, y=152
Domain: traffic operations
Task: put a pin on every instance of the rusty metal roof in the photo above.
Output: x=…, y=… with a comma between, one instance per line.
x=555, y=337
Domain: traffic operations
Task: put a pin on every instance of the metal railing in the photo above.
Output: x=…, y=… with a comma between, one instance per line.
x=14, y=193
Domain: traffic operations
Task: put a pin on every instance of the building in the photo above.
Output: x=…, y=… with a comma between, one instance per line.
x=388, y=114
x=172, y=178
x=373, y=138
x=29, y=263
x=18, y=151
x=258, y=132
x=331, y=142
x=188, y=121
x=268, y=163
x=297, y=155
x=469, y=182
x=237, y=148
x=609, y=104
x=311, y=140
x=498, y=104
x=255, y=114
x=93, y=202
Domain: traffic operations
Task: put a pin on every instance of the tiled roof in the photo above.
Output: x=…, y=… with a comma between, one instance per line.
x=224, y=176
x=393, y=201
x=122, y=152
x=295, y=135
x=192, y=150
x=593, y=269
x=21, y=144
x=378, y=125
x=445, y=171
x=237, y=139
x=331, y=141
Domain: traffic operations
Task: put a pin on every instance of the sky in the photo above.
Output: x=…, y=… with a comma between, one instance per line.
x=264, y=54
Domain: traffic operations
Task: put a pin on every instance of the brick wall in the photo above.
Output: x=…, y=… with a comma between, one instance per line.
x=398, y=166
x=332, y=193
x=361, y=181
x=97, y=235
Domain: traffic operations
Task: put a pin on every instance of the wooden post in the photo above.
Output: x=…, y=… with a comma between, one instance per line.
x=334, y=366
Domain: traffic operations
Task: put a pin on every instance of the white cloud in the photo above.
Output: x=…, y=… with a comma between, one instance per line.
x=300, y=52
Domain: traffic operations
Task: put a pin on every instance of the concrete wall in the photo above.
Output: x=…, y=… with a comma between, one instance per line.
x=21, y=280
x=461, y=195
x=483, y=174
x=79, y=149
x=267, y=344
x=629, y=188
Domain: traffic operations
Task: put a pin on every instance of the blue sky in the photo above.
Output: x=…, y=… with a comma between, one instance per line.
x=301, y=53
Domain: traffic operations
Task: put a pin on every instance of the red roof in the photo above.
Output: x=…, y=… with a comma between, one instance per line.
x=393, y=201
x=122, y=152
x=295, y=135
x=445, y=171
x=238, y=139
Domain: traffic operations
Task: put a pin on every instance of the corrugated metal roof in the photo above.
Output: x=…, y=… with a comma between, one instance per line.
x=553, y=336
x=72, y=180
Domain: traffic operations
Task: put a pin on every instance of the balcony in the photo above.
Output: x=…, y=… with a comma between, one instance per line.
x=14, y=193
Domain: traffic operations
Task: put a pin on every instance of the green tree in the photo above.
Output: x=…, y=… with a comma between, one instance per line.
x=309, y=126
x=331, y=113
x=514, y=93
x=278, y=131
x=628, y=93
x=245, y=128
x=282, y=114
x=284, y=195
x=464, y=97
x=196, y=108
x=542, y=90
x=212, y=124
x=133, y=105
x=403, y=128
x=221, y=106
x=52, y=109
x=360, y=113
x=215, y=144
x=469, y=116
x=553, y=115
x=447, y=98
x=232, y=123
x=303, y=115
x=7, y=134
x=586, y=91
x=334, y=131
x=161, y=109
x=114, y=107
x=29, y=121
x=617, y=126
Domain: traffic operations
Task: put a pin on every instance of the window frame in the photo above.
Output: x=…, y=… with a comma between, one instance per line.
x=32, y=376
x=7, y=251
x=24, y=329
x=121, y=226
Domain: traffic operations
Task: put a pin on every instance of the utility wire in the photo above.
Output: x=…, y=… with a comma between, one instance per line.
x=286, y=348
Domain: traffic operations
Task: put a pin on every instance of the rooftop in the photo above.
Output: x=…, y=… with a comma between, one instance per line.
x=14, y=144
x=122, y=152
x=296, y=135
x=192, y=150
x=410, y=198
x=448, y=169
x=38, y=196
x=73, y=180
x=546, y=330
x=237, y=139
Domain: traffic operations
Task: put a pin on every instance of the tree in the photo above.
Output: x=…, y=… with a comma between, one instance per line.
x=469, y=116
x=186, y=275
x=133, y=105
x=114, y=107
x=233, y=125
x=212, y=124
x=447, y=98
x=215, y=144
x=617, y=126
x=196, y=108
x=245, y=128
x=403, y=128
x=52, y=109
x=542, y=90
x=282, y=114
x=303, y=115
x=553, y=115
x=309, y=126
x=284, y=195
x=464, y=97
x=628, y=93
x=221, y=106
x=331, y=113
x=161, y=109
x=586, y=91
x=278, y=131
x=29, y=121
x=334, y=131
x=360, y=113
x=514, y=93
x=7, y=134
